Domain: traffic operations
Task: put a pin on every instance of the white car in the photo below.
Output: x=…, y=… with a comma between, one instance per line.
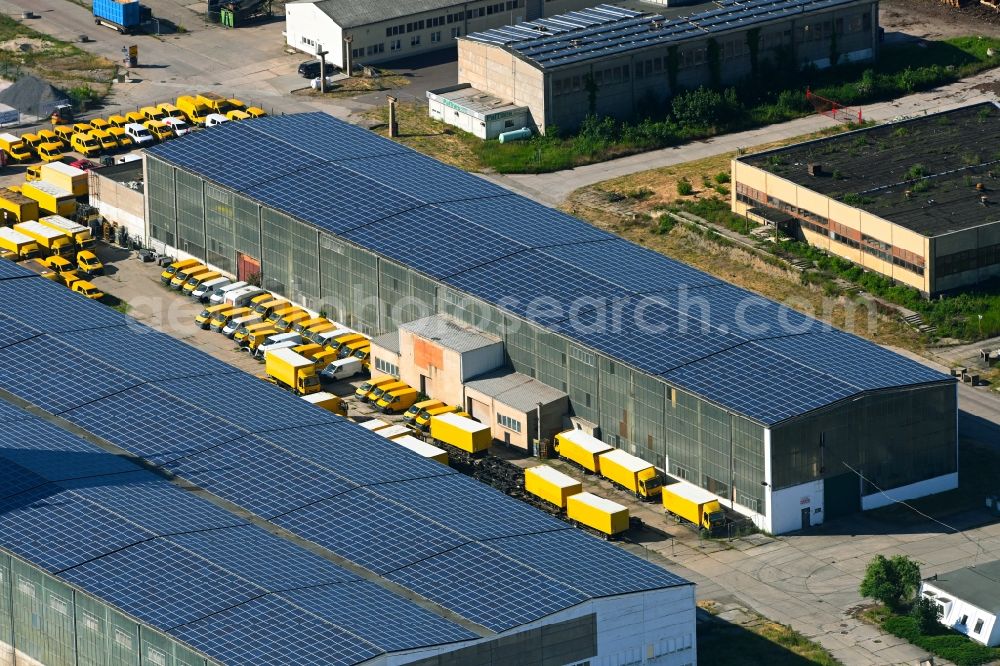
x=213, y=119
x=138, y=133
x=179, y=126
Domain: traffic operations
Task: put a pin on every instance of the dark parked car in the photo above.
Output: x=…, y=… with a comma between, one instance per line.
x=309, y=69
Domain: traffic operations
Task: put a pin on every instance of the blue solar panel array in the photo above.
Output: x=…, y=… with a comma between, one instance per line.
x=178, y=563
x=548, y=267
x=607, y=30
x=207, y=576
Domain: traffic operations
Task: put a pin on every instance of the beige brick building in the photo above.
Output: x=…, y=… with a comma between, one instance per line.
x=916, y=201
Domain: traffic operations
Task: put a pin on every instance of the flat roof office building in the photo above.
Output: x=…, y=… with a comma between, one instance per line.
x=914, y=200
x=769, y=409
x=610, y=60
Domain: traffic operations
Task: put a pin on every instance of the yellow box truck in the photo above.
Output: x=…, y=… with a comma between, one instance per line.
x=423, y=449
x=18, y=208
x=20, y=245
x=51, y=200
x=49, y=240
x=65, y=177
x=633, y=474
x=597, y=513
x=551, y=485
x=394, y=431
x=581, y=449
x=327, y=401
x=462, y=433
x=15, y=147
x=292, y=371
x=695, y=505
x=79, y=233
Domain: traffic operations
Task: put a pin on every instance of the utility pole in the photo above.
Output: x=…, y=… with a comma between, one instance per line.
x=393, y=123
x=348, y=56
x=322, y=67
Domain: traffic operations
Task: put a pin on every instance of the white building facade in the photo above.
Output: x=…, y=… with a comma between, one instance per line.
x=968, y=601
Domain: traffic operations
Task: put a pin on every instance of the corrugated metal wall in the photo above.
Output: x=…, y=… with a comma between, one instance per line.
x=49, y=622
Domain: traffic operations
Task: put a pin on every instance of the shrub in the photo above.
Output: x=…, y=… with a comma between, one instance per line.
x=891, y=581
x=925, y=612
x=722, y=177
x=705, y=107
x=684, y=187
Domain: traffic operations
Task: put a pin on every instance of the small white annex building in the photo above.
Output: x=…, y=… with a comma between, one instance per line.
x=482, y=114
x=968, y=600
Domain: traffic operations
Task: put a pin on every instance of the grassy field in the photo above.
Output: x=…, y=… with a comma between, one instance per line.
x=758, y=643
x=357, y=85
x=84, y=76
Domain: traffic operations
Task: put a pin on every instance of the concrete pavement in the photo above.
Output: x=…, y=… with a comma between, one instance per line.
x=553, y=188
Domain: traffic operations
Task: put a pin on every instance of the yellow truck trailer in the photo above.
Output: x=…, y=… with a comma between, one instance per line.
x=462, y=433
x=597, y=513
x=327, y=401
x=79, y=233
x=631, y=473
x=51, y=200
x=49, y=240
x=22, y=246
x=65, y=177
x=422, y=448
x=695, y=505
x=551, y=485
x=292, y=371
x=18, y=208
x=580, y=448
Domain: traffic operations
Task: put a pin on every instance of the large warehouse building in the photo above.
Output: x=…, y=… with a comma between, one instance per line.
x=914, y=200
x=159, y=507
x=612, y=61
x=771, y=410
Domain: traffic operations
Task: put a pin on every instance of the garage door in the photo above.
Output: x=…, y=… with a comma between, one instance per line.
x=479, y=410
x=841, y=495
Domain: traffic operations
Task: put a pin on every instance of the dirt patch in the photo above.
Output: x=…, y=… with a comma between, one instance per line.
x=18, y=45
x=932, y=19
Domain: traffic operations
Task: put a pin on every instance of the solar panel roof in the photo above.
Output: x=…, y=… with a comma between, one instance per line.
x=180, y=563
x=605, y=30
x=549, y=268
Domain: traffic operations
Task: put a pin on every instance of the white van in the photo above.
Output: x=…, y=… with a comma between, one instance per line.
x=219, y=293
x=229, y=330
x=138, y=133
x=213, y=119
x=273, y=342
x=240, y=298
x=205, y=289
x=342, y=368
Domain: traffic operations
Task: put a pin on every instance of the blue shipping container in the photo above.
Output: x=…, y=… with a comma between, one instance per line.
x=125, y=14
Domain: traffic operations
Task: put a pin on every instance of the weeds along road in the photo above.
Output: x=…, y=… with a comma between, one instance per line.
x=552, y=189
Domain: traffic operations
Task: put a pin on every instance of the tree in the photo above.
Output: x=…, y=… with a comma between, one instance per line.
x=926, y=613
x=891, y=581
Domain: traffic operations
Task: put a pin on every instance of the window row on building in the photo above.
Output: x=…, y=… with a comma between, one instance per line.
x=833, y=230
x=967, y=260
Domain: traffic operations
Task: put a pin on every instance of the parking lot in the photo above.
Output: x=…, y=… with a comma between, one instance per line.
x=808, y=581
